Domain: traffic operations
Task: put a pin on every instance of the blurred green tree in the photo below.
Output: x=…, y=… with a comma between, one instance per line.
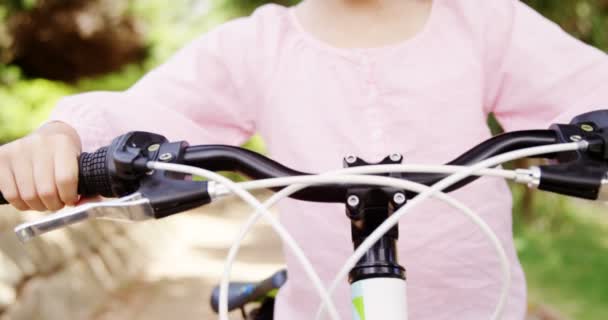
x=585, y=19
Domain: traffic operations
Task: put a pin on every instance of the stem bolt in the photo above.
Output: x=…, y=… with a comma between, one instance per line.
x=395, y=157
x=587, y=127
x=576, y=138
x=165, y=157
x=350, y=159
x=353, y=201
x=399, y=198
x=154, y=147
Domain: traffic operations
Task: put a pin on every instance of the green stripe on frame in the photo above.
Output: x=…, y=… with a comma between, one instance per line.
x=359, y=307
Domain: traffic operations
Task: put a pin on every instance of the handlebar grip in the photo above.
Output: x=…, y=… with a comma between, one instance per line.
x=94, y=177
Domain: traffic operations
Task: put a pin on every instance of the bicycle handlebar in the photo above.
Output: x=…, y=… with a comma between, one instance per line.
x=95, y=178
x=124, y=169
x=119, y=169
x=256, y=166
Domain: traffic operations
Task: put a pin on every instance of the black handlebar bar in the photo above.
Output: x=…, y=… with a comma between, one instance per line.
x=121, y=168
x=95, y=179
x=253, y=165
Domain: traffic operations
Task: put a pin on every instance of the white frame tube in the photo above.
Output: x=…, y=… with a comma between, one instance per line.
x=379, y=299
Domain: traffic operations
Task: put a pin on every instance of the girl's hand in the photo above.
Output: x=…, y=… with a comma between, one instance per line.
x=40, y=171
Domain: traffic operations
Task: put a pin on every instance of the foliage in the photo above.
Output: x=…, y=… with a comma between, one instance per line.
x=167, y=25
x=563, y=251
x=25, y=104
x=235, y=8
x=19, y=5
x=585, y=19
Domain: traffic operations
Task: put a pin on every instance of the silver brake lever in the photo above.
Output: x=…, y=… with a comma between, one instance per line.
x=133, y=207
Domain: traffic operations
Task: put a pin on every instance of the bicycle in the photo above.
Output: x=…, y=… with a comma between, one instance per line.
x=150, y=176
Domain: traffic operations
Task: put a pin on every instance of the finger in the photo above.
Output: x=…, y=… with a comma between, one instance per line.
x=9, y=190
x=24, y=178
x=44, y=178
x=66, y=173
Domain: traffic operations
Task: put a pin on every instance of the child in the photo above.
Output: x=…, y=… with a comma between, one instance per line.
x=334, y=77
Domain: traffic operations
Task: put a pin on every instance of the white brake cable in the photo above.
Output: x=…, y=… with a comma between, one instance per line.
x=384, y=181
x=383, y=168
x=444, y=183
x=252, y=201
x=464, y=172
x=338, y=177
x=304, y=181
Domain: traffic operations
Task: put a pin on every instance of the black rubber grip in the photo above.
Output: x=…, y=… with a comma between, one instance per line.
x=94, y=178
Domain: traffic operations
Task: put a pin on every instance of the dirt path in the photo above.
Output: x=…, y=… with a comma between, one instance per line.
x=179, y=279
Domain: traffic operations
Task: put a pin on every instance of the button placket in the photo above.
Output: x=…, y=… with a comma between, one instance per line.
x=376, y=132
x=369, y=79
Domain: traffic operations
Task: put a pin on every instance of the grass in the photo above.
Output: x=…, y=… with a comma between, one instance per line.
x=564, y=251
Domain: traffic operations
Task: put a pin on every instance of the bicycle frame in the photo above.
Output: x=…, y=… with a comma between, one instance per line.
x=379, y=298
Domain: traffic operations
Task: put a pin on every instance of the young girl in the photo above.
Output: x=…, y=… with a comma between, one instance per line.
x=334, y=77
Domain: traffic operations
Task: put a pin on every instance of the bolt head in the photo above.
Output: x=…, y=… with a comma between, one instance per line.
x=399, y=198
x=154, y=147
x=353, y=201
x=576, y=138
x=350, y=159
x=165, y=157
x=395, y=157
x=587, y=127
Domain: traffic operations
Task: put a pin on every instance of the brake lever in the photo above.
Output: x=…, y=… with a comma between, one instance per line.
x=152, y=194
x=133, y=207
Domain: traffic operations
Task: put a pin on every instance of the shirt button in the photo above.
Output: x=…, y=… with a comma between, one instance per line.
x=366, y=64
x=376, y=134
x=372, y=93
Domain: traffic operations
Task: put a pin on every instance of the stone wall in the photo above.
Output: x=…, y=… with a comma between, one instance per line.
x=66, y=273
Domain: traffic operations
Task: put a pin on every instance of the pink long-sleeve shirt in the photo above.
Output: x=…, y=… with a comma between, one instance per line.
x=427, y=98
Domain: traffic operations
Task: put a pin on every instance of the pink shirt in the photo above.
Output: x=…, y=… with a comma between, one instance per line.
x=426, y=98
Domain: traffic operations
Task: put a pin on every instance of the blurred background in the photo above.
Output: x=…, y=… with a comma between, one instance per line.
x=53, y=48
